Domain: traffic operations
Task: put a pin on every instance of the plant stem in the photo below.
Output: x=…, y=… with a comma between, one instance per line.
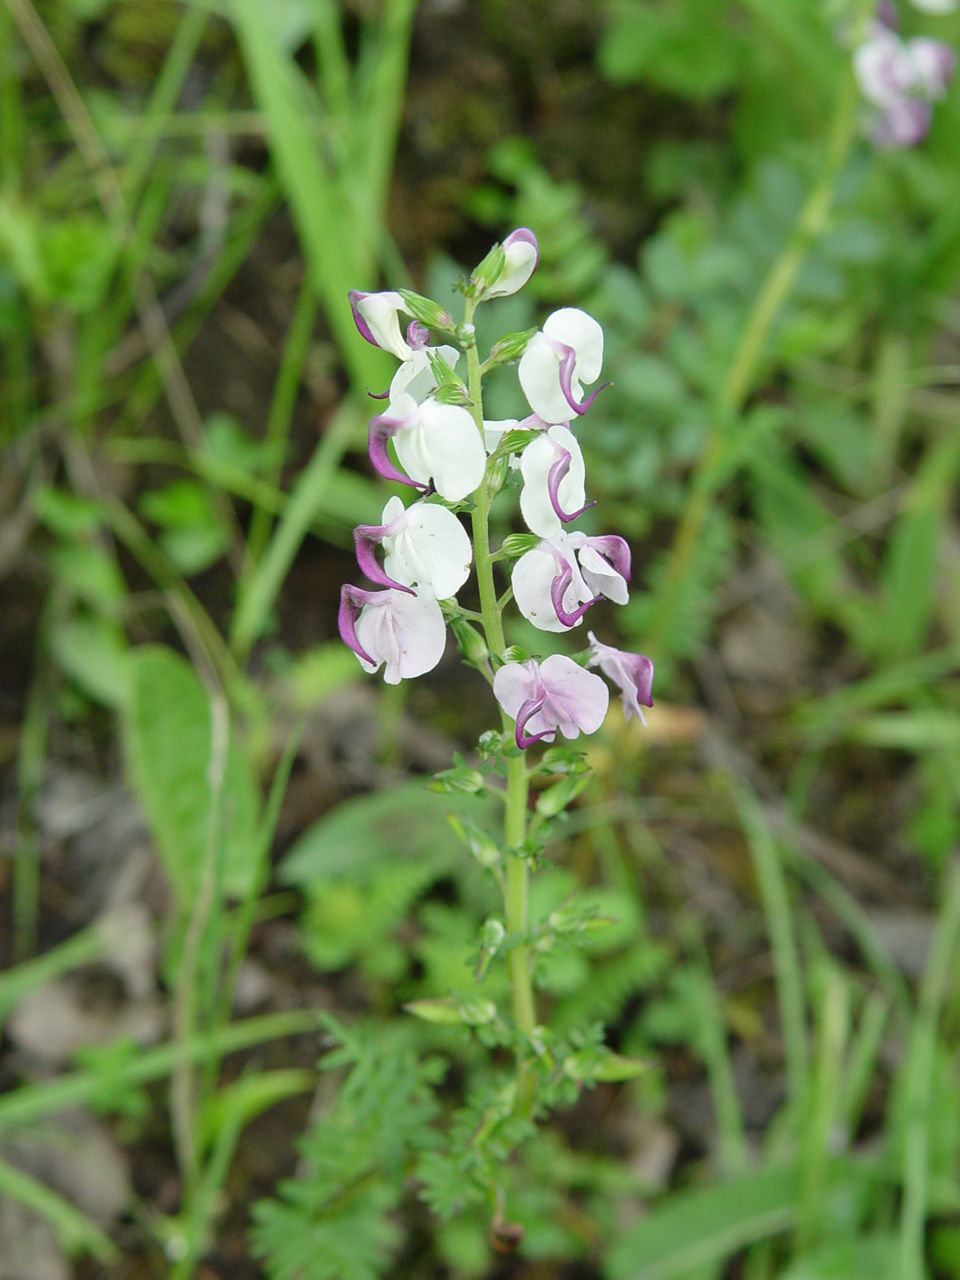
x=515, y=815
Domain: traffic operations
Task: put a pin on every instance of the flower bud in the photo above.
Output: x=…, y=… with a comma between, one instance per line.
x=469, y=641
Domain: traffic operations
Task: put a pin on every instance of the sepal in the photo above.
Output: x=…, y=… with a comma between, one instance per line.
x=510, y=347
x=427, y=311
x=486, y=274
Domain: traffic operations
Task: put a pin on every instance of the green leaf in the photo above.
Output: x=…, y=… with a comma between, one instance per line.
x=93, y=652
x=320, y=671
x=683, y=47
x=705, y=1226
x=64, y=512
x=89, y=571
x=403, y=823
x=167, y=728
x=871, y=1258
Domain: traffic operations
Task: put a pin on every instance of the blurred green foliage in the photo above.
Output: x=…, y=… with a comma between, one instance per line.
x=780, y=432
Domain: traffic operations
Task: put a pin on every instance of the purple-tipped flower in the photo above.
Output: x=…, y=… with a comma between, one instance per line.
x=425, y=546
x=553, y=482
x=403, y=633
x=434, y=442
x=632, y=673
x=377, y=316
x=557, y=361
x=552, y=695
x=934, y=63
x=903, y=124
x=521, y=255
x=900, y=79
x=557, y=582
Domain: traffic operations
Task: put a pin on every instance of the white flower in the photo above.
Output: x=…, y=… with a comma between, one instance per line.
x=552, y=695
x=556, y=582
x=403, y=633
x=425, y=546
x=438, y=442
x=553, y=482
x=566, y=353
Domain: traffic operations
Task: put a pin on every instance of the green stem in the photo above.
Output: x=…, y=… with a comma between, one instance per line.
x=741, y=377
x=515, y=815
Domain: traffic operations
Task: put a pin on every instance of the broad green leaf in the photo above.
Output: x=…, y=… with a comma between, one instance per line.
x=694, y=1228
x=406, y=822
x=167, y=728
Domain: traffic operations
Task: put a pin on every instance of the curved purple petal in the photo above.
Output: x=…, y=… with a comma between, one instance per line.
x=381, y=429
x=365, y=538
x=356, y=296
x=640, y=669
x=352, y=600
x=557, y=588
x=555, y=476
x=615, y=549
x=526, y=713
x=568, y=362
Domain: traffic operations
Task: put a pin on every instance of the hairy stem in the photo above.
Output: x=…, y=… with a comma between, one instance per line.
x=515, y=815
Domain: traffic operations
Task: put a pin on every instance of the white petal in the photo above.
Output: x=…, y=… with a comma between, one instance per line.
x=535, y=463
x=380, y=310
x=415, y=376
x=601, y=577
x=577, y=700
x=539, y=374
x=935, y=6
x=444, y=446
x=514, y=684
x=406, y=633
x=392, y=511
x=432, y=551
x=578, y=330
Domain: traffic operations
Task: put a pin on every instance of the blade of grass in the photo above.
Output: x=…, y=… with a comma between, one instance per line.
x=918, y=1079
x=339, y=258
x=25, y=1106
x=254, y=605
x=833, y=1026
x=281, y=410
x=772, y=884
x=74, y=1229
x=30, y=770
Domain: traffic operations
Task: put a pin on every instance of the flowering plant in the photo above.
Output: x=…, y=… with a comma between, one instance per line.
x=459, y=461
